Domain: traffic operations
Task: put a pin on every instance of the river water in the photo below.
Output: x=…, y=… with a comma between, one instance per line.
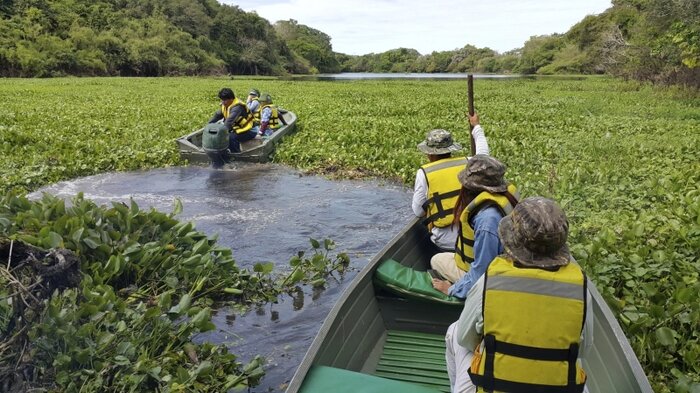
x=266, y=212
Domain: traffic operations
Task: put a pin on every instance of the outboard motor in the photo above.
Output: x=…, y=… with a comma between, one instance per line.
x=215, y=144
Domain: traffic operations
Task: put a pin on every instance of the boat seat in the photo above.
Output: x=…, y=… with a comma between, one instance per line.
x=323, y=379
x=410, y=283
x=416, y=358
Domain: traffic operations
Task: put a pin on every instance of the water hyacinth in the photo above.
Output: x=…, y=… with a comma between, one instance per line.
x=620, y=157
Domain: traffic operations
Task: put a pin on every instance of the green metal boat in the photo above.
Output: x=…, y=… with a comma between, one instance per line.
x=255, y=150
x=377, y=340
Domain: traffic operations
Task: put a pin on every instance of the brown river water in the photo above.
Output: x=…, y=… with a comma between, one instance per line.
x=266, y=212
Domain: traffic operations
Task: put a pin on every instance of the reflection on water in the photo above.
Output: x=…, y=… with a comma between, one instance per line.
x=266, y=212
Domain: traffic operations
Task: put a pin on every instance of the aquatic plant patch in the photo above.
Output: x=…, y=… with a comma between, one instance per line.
x=622, y=159
x=116, y=299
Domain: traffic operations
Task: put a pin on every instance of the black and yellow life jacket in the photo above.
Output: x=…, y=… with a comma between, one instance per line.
x=274, y=117
x=464, y=247
x=244, y=122
x=443, y=190
x=533, y=320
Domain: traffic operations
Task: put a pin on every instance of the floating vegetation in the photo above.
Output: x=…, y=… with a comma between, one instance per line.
x=108, y=299
x=621, y=157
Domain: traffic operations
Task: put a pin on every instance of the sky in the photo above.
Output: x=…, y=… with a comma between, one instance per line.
x=359, y=27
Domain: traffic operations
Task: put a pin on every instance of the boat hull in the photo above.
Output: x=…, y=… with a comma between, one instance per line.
x=256, y=150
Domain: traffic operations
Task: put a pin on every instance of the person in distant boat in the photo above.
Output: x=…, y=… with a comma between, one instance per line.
x=527, y=322
x=237, y=118
x=484, y=199
x=270, y=119
x=436, y=186
x=254, y=104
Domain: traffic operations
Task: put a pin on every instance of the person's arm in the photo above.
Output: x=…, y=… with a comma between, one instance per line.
x=217, y=116
x=253, y=105
x=470, y=325
x=264, y=120
x=420, y=194
x=480, y=142
x=487, y=246
x=233, y=114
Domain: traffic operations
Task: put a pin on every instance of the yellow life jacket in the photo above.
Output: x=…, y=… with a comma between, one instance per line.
x=274, y=117
x=443, y=190
x=464, y=247
x=256, y=113
x=533, y=320
x=244, y=122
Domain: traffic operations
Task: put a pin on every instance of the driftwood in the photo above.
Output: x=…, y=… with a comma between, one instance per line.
x=30, y=275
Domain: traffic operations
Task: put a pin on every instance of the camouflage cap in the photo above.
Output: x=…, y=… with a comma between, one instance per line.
x=535, y=233
x=438, y=141
x=254, y=92
x=265, y=98
x=483, y=173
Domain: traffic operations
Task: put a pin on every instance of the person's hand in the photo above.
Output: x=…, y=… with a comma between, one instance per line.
x=441, y=285
x=474, y=120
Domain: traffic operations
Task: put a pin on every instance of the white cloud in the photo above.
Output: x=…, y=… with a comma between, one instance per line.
x=364, y=26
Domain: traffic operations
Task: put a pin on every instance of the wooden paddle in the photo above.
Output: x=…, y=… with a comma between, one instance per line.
x=470, y=101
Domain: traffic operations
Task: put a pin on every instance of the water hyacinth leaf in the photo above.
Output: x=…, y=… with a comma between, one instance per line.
x=177, y=209
x=685, y=295
x=666, y=336
x=54, y=240
x=183, y=306
x=295, y=261
x=121, y=360
x=201, y=246
x=91, y=243
x=314, y=243
x=296, y=276
x=318, y=261
x=202, y=369
x=264, y=268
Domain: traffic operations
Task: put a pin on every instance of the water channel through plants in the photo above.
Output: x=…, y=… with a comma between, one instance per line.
x=266, y=213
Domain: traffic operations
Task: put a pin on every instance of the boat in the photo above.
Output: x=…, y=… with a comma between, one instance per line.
x=376, y=339
x=255, y=150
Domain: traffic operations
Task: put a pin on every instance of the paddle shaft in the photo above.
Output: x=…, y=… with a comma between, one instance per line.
x=470, y=101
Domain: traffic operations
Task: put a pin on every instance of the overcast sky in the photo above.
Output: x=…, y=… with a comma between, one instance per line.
x=359, y=27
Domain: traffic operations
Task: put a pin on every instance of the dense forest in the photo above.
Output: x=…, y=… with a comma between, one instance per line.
x=655, y=40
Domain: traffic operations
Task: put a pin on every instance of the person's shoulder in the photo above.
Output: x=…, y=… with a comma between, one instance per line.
x=489, y=216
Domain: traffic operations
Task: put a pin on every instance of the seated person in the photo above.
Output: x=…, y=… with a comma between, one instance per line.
x=436, y=186
x=270, y=119
x=237, y=118
x=484, y=199
x=527, y=322
x=254, y=104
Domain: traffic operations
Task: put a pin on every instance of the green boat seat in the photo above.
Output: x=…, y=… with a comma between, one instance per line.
x=410, y=283
x=323, y=379
x=416, y=358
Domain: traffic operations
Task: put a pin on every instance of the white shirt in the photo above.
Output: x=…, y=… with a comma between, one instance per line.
x=443, y=237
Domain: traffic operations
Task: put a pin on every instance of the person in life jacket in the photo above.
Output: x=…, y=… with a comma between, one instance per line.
x=253, y=102
x=528, y=321
x=436, y=186
x=237, y=118
x=484, y=199
x=270, y=118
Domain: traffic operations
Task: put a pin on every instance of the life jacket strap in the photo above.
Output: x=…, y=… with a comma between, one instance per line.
x=489, y=383
x=437, y=199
